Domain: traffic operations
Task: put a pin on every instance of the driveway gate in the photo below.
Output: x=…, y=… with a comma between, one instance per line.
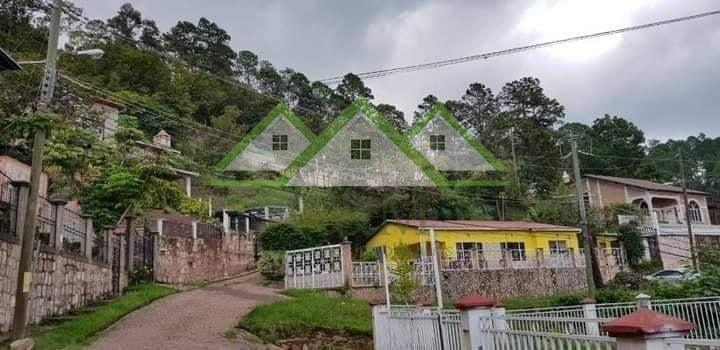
x=318, y=267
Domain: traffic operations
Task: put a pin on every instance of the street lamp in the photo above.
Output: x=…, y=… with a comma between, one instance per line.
x=95, y=54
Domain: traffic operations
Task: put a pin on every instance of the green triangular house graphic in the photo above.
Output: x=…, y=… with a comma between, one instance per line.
x=449, y=146
x=272, y=145
x=361, y=148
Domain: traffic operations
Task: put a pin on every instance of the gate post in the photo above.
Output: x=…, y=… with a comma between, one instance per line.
x=645, y=329
x=381, y=328
x=590, y=313
x=23, y=188
x=59, y=205
x=130, y=236
x=476, y=313
x=346, y=261
x=89, y=236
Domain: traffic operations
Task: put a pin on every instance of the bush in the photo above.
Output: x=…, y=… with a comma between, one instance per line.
x=404, y=285
x=614, y=295
x=647, y=267
x=140, y=274
x=281, y=237
x=369, y=255
x=631, y=239
x=272, y=265
x=628, y=279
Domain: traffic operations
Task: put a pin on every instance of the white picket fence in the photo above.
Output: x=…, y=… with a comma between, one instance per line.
x=416, y=328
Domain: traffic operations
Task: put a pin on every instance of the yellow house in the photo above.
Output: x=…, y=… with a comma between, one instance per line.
x=466, y=239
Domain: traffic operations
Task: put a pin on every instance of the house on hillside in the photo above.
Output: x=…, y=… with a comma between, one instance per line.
x=664, y=219
x=492, y=245
x=108, y=112
x=449, y=146
x=162, y=142
x=275, y=142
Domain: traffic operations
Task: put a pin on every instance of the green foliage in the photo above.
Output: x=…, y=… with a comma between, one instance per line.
x=369, y=255
x=283, y=237
x=405, y=284
x=194, y=207
x=272, y=265
x=307, y=313
x=140, y=274
x=560, y=299
x=615, y=295
x=78, y=331
x=629, y=235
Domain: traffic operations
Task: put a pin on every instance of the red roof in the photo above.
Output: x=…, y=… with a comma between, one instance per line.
x=483, y=225
x=645, y=321
x=473, y=301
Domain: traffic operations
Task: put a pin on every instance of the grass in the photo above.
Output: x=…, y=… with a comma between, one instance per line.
x=306, y=313
x=78, y=331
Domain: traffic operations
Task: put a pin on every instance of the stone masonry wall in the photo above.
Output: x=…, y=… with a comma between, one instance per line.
x=508, y=283
x=187, y=260
x=59, y=284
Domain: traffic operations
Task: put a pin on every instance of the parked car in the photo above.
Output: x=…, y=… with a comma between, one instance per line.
x=672, y=275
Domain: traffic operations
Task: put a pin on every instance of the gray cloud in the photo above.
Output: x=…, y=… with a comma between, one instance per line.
x=665, y=80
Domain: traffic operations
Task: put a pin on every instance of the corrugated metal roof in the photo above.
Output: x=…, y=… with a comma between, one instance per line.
x=644, y=184
x=483, y=225
x=7, y=63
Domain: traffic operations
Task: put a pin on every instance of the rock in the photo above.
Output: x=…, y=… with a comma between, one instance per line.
x=22, y=344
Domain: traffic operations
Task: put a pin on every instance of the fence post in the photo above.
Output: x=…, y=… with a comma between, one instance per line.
x=23, y=190
x=130, y=248
x=159, y=227
x=59, y=205
x=346, y=261
x=476, y=311
x=89, y=236
x=643, y=301
x=590, y=313
x=108, y=243
x=645, y=329
x=194, y=230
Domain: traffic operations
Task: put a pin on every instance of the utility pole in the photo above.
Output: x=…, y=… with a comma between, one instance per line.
x=22, y=294
x=691, y=236
x=514, y=157
x=587, y=240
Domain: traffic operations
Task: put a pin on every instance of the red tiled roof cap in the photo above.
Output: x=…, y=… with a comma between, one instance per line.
x=476, y=300
x=646, y=322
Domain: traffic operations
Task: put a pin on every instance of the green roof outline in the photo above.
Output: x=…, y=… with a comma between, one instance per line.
x=279, y=110
x=363, y=105
x=439, y=109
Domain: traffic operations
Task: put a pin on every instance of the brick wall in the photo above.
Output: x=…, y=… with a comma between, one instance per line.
x=60, y=283
x=186, y=260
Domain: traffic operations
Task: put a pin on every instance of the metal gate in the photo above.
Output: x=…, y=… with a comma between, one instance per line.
x=116, y=251
x=144, y=251
x=318, y=267
x=416, y=328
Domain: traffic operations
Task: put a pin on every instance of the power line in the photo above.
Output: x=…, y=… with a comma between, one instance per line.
x=453, y=61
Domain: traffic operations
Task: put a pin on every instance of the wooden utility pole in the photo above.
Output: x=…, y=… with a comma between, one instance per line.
x=514, y=157
x=22, y=294
x=587, y=240
x=691, y=236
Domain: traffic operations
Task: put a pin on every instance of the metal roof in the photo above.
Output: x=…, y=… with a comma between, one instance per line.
x=644, y=184
x=483, y=225
x=7, y=63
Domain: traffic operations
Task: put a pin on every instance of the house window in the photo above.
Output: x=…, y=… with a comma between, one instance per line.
x=464, y=250
x=360, y=149
x=515, y=249
x=437, y=142
x=557, y=247
x=694, y=212
x=279, y=142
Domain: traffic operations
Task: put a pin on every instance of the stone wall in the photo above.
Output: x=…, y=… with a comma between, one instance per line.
x=186, y=260
x=502, y=284
x=60, y=283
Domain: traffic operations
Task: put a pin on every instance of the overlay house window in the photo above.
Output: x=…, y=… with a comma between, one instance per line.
x=279, y=142
x=437, y=142
x=360, y=149
x=516, y=249
x=694, y=212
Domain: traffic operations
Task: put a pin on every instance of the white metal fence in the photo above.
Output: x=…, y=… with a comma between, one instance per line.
x=366, y=274
x=417, y=328
x=693, y=344
x=317, y=267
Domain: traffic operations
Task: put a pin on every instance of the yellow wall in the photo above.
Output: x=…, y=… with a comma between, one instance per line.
x=393, y=234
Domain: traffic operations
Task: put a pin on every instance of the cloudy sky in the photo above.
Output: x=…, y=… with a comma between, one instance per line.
x=666, y=80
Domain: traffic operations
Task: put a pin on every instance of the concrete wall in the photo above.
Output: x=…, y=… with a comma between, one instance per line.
x=187, y=260
x=60, y=283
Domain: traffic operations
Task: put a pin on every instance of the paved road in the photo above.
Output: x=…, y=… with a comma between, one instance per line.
x=195, y=319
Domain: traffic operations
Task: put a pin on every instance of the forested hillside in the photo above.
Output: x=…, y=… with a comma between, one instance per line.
x=193, y=83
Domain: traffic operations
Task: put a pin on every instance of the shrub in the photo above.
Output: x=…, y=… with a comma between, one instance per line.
x=369, y=255
x=647, y=267
x=140, y=274
x=631, y=239
x=614, y=295
x=628, y=279
x=272, y=265
x=283, y=237
x=404, y=285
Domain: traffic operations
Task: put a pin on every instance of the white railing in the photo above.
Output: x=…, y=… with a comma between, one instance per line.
x=366, y=274
x=494, y=339
x=401, y=328
x=693, y=344
x=704, y=312
x=312, y=268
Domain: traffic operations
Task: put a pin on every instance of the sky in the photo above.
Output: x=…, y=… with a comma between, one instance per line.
x=666, y=80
